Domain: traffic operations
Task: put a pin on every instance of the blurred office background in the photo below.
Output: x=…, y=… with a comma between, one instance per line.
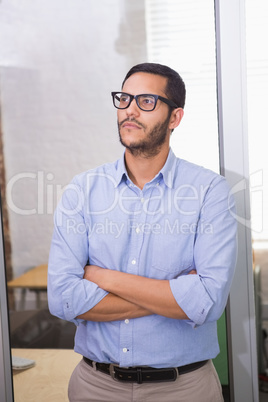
x=59, y=61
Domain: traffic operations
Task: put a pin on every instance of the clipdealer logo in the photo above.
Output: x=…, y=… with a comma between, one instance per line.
x=41, y=195
x=36, y=193
x=253, y=219
x=108, y=227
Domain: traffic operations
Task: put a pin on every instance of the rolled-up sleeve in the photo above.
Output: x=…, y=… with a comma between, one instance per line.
x=203, y=297
x=69, y=295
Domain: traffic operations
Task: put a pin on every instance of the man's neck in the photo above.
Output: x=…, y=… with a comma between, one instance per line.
x=142, y=169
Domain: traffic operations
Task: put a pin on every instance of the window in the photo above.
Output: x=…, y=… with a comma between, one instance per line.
x=181, y=34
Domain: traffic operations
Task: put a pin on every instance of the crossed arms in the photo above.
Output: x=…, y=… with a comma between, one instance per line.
x=100, y=294
x=130, y=296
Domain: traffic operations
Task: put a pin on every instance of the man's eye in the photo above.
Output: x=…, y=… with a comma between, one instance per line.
x=123, y=99
x=148, y=100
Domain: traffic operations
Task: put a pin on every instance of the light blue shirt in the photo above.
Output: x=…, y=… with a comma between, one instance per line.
x=183, y=219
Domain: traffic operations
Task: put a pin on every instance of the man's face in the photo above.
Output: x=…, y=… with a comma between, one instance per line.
x=144, y=132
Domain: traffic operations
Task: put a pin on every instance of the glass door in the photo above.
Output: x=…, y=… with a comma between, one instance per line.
x=182, y=35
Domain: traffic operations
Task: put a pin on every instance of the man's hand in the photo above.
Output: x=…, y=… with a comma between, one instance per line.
x=111, y=307
x=192, y=272
x=91, y=272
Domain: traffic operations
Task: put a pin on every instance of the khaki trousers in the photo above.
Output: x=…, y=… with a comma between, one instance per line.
x=88, y=385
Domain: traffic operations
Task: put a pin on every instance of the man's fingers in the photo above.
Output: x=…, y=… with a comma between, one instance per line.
x=192, y=272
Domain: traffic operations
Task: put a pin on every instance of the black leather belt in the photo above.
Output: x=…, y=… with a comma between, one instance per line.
x=143, y=373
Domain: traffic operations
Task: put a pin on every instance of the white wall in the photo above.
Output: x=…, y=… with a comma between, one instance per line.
x=59, y=61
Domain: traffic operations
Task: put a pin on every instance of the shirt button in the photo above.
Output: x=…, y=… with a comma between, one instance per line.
x=142, y=200
x=133, y=262
x=138, y=230
x=126, y=321
x=125, y=350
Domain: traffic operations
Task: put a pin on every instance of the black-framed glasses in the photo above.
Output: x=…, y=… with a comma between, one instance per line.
x=146, y=102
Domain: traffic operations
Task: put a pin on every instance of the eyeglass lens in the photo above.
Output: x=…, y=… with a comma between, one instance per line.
x=145, y=102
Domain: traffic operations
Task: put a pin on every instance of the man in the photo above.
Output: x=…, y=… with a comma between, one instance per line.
x=142, y=258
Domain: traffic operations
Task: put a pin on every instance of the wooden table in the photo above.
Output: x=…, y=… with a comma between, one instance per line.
x=48, y=379
x=35, y=279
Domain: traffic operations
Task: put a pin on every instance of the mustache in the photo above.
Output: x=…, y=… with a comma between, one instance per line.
x=132, y=121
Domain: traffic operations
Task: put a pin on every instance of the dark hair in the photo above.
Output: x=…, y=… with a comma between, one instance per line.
x=175, y=89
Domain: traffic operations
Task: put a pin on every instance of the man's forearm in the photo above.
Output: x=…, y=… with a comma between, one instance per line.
x=113, y=308
x=150, y=294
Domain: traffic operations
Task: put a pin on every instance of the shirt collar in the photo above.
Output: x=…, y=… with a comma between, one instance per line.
x=167, y=171
x=121, y=171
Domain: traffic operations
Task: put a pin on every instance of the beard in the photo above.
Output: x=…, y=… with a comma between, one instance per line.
x=151, y=145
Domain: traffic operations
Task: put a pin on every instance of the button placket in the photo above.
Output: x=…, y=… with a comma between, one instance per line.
x=135, y=243
x=135, y=230
x=141, y=228
x=126, y=343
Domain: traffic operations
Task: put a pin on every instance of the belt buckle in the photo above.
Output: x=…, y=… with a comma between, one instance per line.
x=112, y=371
x=177, y=373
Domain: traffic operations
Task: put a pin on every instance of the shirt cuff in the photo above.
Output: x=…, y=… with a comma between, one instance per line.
x=192, y=298
x=74, y=305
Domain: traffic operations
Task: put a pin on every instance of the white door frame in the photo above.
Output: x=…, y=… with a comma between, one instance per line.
x=234, y=165
x=6, y=393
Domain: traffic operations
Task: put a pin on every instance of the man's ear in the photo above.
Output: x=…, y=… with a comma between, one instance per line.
x=175, y=118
